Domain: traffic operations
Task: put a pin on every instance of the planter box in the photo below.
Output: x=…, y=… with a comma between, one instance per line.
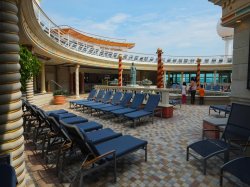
x=59, y=99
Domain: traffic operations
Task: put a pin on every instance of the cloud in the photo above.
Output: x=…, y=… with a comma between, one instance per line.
x=179, y=34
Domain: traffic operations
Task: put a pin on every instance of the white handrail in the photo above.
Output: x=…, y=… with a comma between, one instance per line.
x=68, y=41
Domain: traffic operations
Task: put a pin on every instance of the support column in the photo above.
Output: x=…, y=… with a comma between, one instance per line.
x=83, y=83
x=43, y=89
x=30, y=90
x=215, y=72
x=159, y=69
x=11, y=131
x=182, y=77
x=77, y=80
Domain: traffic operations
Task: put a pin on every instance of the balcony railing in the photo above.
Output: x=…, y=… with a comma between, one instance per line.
x=99, y=51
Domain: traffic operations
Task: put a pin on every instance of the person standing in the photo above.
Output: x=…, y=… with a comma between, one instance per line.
x=193, y=88
x=202, y=94
x=184, y=93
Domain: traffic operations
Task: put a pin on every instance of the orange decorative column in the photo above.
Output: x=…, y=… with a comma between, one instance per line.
x=120, y=71
x=160, y=72
x=198, y=72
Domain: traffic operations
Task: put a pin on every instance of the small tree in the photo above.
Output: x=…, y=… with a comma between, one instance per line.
x=30, y=66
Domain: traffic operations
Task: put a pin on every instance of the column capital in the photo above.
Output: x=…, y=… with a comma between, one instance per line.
x=77, y=66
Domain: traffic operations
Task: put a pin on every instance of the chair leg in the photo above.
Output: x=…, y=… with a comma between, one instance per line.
x=221, y=177
x=146, y=153
x=114, y=167
x=204, y=166
x=187, y=156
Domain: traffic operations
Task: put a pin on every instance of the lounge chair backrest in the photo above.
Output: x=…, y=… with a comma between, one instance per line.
x=116, y=98
x=238, y=125
x=107, y=96
x=78, y=137
x=126, y=99
x=92, y=94
x=58, y=128
x=152, y=102
x=100, y=95
x=137, y=101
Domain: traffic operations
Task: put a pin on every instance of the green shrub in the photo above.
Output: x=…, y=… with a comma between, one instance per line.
x=60, y=92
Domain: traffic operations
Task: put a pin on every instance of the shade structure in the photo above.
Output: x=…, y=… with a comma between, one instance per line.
x=198, y=72
x=160, y=70
x=120, y=70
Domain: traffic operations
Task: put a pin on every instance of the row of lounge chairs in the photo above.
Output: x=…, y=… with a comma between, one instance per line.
x=119, y=105
x=235, y=139
x=59, y=132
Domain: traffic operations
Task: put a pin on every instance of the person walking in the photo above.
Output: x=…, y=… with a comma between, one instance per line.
x=202, y=94
x=184, y=93
x=193, y=88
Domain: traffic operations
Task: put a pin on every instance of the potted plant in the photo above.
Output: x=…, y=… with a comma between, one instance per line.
x=60, y=97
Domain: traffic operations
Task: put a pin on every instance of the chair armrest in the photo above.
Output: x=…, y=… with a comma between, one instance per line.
x=88, y=163
x=5, y=158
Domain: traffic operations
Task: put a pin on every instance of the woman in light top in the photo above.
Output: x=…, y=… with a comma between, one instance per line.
x=184, y=93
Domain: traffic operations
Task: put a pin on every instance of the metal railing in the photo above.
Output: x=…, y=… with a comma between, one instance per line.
x=103, y=51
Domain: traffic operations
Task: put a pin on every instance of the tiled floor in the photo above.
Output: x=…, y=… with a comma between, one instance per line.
x=166, y=165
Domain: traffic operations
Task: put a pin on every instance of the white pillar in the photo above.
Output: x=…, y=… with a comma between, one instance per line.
x=43, y=89
x=77, y=80
x=215, y=72
x=182, y=77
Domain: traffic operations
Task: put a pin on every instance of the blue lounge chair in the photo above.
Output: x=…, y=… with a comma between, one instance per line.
x=61, y=111
x=115, y=100
x=96, y=136
x=135, y=105
x=235, y=136
x=149, y=109
x=104, y=153
x=105, y=100
x=124, y=103
x=220, y=108
x=74, y=120
x=90, y=97
x=239, y=167
x=62, y=116
x=97, y=99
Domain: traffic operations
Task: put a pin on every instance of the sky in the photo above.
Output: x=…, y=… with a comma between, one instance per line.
x=179, y=27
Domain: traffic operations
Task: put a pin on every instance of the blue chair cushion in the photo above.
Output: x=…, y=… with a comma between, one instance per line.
x=137, y=114
x=61, y=111
x=123, y=111
x=109, y=109
x=62, y=116
x=122, y=145
x=101, y=106
x=7, y=175
x=101, y=135
x=89, y=126
x=74, y=120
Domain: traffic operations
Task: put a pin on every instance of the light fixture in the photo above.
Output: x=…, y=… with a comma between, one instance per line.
x=238, y=21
